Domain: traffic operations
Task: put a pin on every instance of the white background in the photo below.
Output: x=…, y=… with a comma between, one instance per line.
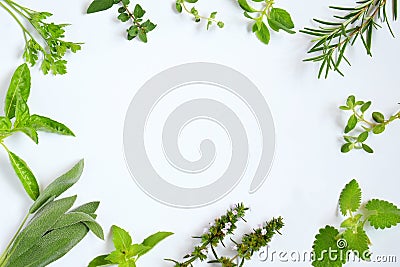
x=308, y=173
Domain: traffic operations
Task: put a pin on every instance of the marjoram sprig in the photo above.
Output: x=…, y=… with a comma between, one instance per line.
x=358, y=22
x=181, y=5
x=363, y=127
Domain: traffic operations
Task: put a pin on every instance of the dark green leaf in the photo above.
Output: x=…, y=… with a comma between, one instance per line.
x=138, y=11
x=143, y=36
x=88, y=208
x=367, y=148
x=178, y=7
x=346, y=147
x=25, y=175
x=100, y=5
x=123, y=17
x=59, y=186
x=280, y=19
x=20, y=85
x=378, y=117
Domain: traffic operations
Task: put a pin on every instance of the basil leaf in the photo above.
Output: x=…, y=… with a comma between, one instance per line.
x=20, y=85
x=153, y=240
x=100, y=261
x=41, y=123
x=58, y=186
x=25, y=175
x=100, y=5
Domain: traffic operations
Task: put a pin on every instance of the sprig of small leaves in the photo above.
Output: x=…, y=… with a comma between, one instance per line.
x=359, y=124
x=277, y=19
x=126, y=253
x=54, y=229
x=181, y=5
x=139, y=28
x=51, y=48
x=225, y=226
x=18, y=119
x=358, y=22
x=352, y=236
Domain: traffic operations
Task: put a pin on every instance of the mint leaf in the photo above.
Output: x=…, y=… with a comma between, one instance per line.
x=357, y=240
x=326, y=241
x=121, y=238
x=350, y=198
x=384, y=214
x=280, y=19
x=100, y=5
x=263, y=33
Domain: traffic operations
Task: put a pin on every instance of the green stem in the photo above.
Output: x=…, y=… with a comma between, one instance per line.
x=5, y=255
x=16, y=19
x=200, y=17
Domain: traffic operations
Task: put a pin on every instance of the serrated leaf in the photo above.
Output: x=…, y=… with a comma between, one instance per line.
x=246, y=7
x=20, y=85
x=350, y=198
x=100, y=5
x=100, y=261
x=41, y=123
x=121, y=238
x=59, y=186
x=326, y=240
x=25, y=175
x=357, y=240
x=385, y=214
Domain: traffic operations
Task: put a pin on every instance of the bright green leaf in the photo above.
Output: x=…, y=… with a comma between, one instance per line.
x=351, y=123
x=246, y=7
x=100, y=261
x=385, y=214
x=121, y=238
x=20, y=85
x=378, y=117
x=350, y=198
x=41, y=123
x=263, y=33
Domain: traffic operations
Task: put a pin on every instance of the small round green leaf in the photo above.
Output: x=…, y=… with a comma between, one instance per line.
x=378, y=117
x=362, y=137
x=378, y=129
x=367, y=148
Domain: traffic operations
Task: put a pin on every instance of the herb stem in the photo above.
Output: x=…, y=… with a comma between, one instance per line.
x=199, y=16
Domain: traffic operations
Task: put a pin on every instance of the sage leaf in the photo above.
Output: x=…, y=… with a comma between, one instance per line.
x=100, y=261
x=25, y=175
x=100, y=5
x=20, y=85
x=88, y=208
x=40, y=224
x=59, y=185
x=50, y=247
x=41, y=123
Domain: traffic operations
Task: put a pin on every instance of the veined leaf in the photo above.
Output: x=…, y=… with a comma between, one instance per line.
x=385, y=214
x=41, y=123
x=20, y=85
x=21, y=113
x=25, y=175
x=350, y=198
x=121, y=238
x=151, y=241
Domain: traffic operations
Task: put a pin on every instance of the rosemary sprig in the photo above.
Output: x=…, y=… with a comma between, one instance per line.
x=333, y=37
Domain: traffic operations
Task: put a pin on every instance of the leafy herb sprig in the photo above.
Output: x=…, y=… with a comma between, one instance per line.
x=126, y=253
x=277, y=19
x=359, y=22
x=51, y=48
x=332, y=247
x=364, y=127
x=54, y=229
x=225, y=226
x=181, y=5
x=139, y=27
x=18, y=119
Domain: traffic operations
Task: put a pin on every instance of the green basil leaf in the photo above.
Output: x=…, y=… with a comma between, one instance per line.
x=100, y=5
x=41, y=123
x=263, y=34
x=121, y=238
x=25, y=175
x=58, y=186
x=40, y=224
x=20, y=85
x=100, y=261
x=153, y=240
x=50, y=247
x=246, y=7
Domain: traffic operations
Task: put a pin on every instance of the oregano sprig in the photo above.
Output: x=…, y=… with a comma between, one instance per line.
x=332, y=246
x=18, y=119
x=126, y=253
x=332, y=38
x=276, y=18
x=51, y=48
x=139, y=27
x=181, y=5
x=363, y=127
x=54, y=228
x=223, y=227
